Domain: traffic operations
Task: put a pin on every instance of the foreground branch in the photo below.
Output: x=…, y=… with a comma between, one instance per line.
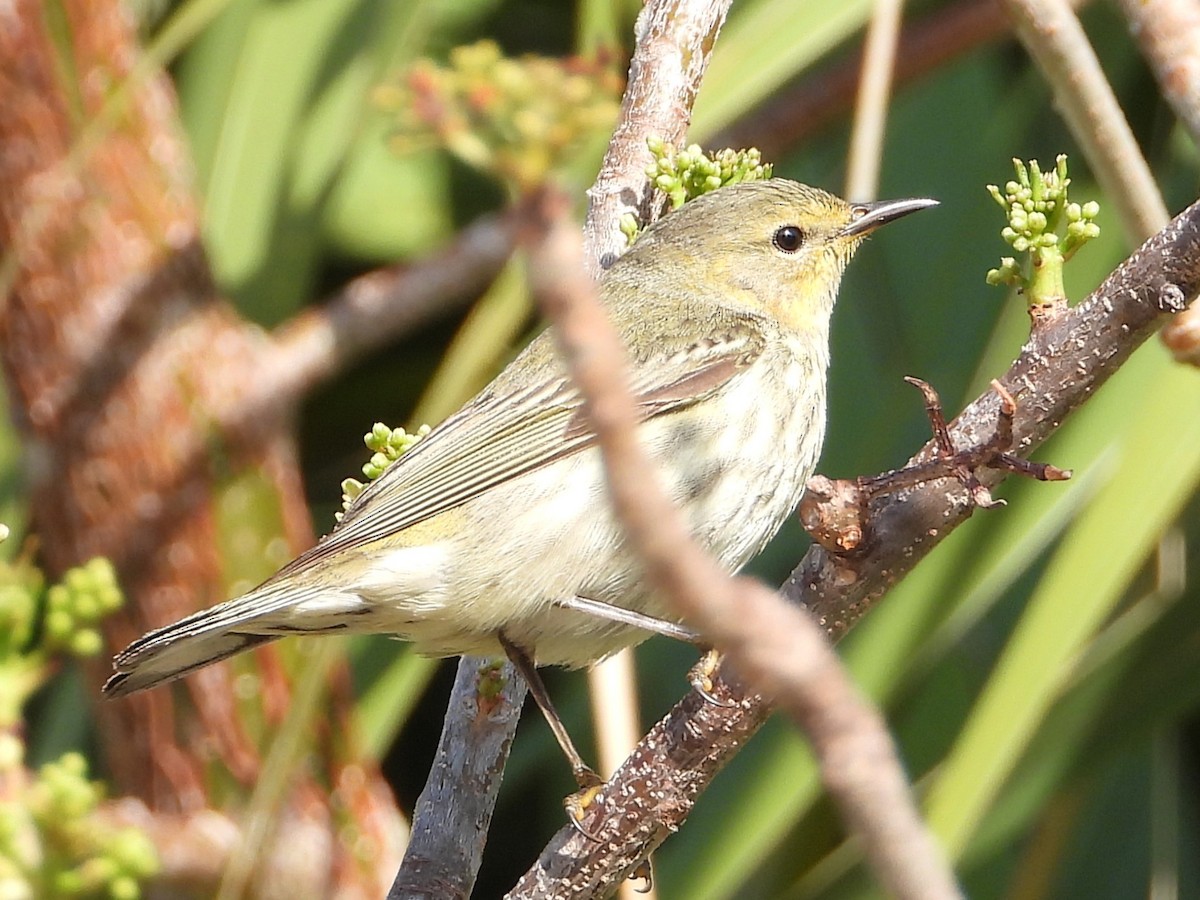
x=1056, y=372
x=657, y=102
x=777, y=647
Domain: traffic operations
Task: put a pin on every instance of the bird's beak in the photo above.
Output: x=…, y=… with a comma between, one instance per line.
x=869, y=216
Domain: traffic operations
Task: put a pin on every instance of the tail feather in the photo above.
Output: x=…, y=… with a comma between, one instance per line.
x=211, y=635
x=178, y=657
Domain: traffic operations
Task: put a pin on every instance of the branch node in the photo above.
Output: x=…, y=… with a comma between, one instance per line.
x=1171, y=298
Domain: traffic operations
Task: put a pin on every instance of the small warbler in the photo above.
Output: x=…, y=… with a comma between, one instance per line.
x=476, y=540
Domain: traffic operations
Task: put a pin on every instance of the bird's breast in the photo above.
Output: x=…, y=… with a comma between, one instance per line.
x=737, y=464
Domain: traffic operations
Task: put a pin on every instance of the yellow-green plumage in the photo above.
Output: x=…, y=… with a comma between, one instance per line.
x=502, y=509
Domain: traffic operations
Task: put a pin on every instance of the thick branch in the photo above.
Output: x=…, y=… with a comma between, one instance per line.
x=1055, y=373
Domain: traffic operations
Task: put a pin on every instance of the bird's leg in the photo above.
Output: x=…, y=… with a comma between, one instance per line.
x=623, y=616
x=590, y=784
x=701, y=675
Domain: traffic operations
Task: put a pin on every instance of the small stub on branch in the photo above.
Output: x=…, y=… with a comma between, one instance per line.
x=1182, y=335
x=836, y=513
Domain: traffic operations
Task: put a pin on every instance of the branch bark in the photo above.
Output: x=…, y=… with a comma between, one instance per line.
x=1057, y=371
x=1168, y=34
x=674, y=41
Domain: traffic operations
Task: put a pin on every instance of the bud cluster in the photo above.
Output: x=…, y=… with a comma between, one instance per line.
x=518, y=119
x=1043, y=222
x=387, y=446
x=685, y=174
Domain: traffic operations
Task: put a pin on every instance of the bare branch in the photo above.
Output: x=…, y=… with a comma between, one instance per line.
x=674, y=41
x=450, y=823
x=374, y=309
x=1168, y=34
x=776, y=646
x=1056, y=372
x=1051, y=33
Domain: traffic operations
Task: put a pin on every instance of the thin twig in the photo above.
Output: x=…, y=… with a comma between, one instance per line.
x=777, y=647
x=1168, y=34
x=1051, y=33
x=1057, y=371
x=874, y=90
x=674, y=41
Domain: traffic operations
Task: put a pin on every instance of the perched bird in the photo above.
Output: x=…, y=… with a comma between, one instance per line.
x=479, y=538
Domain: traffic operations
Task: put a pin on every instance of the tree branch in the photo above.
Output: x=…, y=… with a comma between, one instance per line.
x=1056, y=372
x=778, y=647
x=674, y=41
x=374, y=309
x=1168, y=34
x=657, y=102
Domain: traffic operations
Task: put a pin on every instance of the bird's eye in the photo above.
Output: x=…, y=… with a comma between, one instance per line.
x=789, y=238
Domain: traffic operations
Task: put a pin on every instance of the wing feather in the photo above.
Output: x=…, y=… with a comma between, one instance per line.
x=503, y=434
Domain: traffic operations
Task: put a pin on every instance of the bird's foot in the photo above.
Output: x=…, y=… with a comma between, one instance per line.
x=702, y=678
x=578, y=803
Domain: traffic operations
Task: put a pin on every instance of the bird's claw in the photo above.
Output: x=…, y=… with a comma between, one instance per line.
x=577, y=804
x=702, y=679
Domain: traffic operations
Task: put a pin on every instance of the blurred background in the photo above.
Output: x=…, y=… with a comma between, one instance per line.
x=1043, y=665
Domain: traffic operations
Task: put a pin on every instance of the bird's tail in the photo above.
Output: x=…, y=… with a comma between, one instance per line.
x=210, y=635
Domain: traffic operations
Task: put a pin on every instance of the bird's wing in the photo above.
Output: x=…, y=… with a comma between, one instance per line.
x=502, y=434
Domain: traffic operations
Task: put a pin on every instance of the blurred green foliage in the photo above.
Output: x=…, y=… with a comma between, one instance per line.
x=53, y=846
x=1041, y=669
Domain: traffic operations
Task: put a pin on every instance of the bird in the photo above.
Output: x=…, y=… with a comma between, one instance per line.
x=493, y=534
